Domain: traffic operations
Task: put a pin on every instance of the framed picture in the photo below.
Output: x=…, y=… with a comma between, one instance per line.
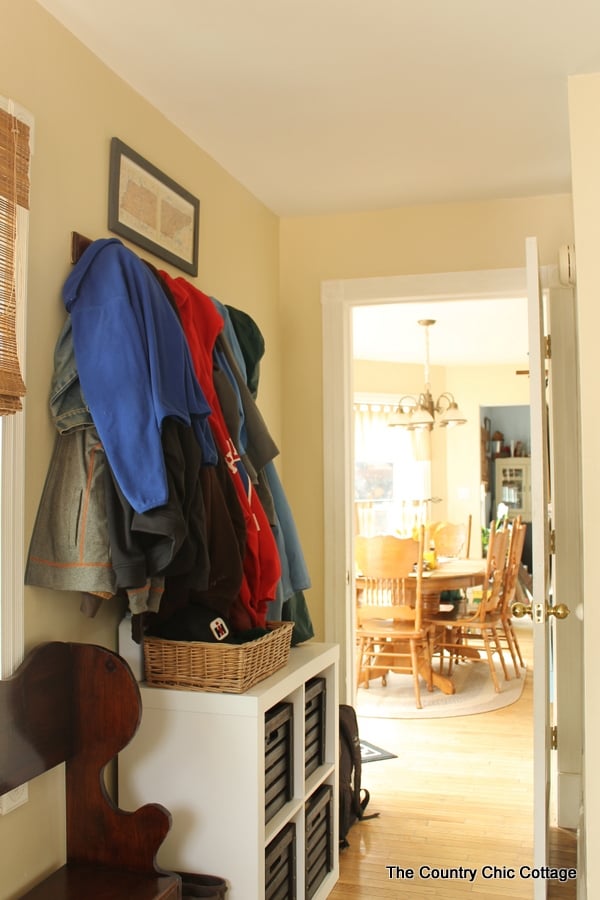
x=151, y=210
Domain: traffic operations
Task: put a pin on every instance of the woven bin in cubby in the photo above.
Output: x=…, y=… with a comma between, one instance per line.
x=223, y=668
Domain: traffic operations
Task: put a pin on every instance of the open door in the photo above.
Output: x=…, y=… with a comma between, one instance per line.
x=555, y=487
x=540, y=482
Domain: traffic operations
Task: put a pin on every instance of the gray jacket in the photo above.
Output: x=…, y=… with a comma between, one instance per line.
x=70, y=547
x=67, y=405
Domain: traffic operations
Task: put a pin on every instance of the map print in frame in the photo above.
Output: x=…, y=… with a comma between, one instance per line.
x=151, y=210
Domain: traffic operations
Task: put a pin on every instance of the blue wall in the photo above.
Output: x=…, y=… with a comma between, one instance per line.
x=512, y=421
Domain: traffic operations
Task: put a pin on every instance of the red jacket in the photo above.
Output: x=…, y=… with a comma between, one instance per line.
x=202, y=324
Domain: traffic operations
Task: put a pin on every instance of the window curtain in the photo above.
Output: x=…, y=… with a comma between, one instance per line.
x=14, y=193
x=375, y=441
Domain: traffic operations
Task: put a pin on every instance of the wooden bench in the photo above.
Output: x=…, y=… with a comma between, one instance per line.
x=80, y=704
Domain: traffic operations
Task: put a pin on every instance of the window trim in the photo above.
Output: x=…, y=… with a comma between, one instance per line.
x=12, y=465
x=11, y=546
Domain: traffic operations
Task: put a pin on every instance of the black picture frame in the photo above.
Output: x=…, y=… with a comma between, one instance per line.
x=150, y=209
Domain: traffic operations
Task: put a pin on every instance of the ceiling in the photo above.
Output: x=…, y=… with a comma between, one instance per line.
x=470, y=332
x=333, y=106
x=324, y=106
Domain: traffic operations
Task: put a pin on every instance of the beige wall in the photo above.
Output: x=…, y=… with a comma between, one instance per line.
x=584, y=105
x=78, y=105
x=450, y=237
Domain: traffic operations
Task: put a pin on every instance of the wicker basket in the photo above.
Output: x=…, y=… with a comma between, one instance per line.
x=226, y=668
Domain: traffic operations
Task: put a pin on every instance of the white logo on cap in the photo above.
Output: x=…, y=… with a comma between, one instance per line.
x=219, y=629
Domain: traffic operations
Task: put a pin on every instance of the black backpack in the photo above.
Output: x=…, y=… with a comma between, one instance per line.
x=353, y=798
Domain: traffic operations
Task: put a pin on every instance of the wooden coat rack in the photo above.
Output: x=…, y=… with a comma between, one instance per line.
x=79, y=243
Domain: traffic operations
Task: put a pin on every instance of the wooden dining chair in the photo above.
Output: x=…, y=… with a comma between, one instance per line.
x=451, y=539
x=506, y=632
x=383, y=562
x=465, y=636
x=392, y=635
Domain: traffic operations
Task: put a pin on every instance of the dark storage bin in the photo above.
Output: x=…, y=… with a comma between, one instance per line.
x=278, y=758
x=319, y=838
x=211, y=887
x=280, y=865
x=314, y=725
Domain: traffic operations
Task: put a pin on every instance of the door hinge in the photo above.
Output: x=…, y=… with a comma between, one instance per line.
x=552, y=542
x=547, y=346
x=553, y=737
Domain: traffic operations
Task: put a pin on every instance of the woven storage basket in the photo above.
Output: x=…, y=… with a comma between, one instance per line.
x=226, y=668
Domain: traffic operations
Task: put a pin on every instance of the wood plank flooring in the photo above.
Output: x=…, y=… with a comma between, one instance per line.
x=459, y=795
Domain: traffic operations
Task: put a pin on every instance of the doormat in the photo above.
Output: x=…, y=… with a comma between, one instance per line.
x=371, y=753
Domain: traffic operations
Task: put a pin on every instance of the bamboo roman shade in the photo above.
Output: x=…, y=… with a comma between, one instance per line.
x=14, y=191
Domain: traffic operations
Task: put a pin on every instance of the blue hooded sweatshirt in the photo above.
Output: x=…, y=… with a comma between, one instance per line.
x=134, y=367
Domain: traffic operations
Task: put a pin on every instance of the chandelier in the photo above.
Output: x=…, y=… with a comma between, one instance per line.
x=421, y=411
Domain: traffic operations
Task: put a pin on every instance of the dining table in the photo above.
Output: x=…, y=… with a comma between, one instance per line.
x=449, y=574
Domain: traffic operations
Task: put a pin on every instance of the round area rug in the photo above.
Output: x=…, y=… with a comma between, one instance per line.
x=474, y=694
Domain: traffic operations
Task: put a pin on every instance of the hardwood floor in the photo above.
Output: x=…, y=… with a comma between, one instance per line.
x=458, y=795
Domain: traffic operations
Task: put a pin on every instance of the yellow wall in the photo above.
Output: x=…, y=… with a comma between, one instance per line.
x=584, y=105
x=450, y=237
x=78, y=105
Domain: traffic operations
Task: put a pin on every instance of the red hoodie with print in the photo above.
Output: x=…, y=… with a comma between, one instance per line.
x=202, y=323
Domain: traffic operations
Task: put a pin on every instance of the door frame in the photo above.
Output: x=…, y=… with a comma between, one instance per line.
x=338, y=297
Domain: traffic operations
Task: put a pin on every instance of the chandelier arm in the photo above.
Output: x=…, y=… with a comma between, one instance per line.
x=448, y=399
x=413, y=398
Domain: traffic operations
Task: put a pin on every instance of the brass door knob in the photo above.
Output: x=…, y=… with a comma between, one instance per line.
x=560, y=611
x=520, y=610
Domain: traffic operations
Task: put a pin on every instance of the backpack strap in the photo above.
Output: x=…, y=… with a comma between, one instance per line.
x=363, y=805
x=349, y=732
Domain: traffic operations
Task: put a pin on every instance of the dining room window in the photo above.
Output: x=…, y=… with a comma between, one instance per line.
x=392, y=472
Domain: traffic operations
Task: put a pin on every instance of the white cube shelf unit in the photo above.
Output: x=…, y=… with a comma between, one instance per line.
x=202, y=755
